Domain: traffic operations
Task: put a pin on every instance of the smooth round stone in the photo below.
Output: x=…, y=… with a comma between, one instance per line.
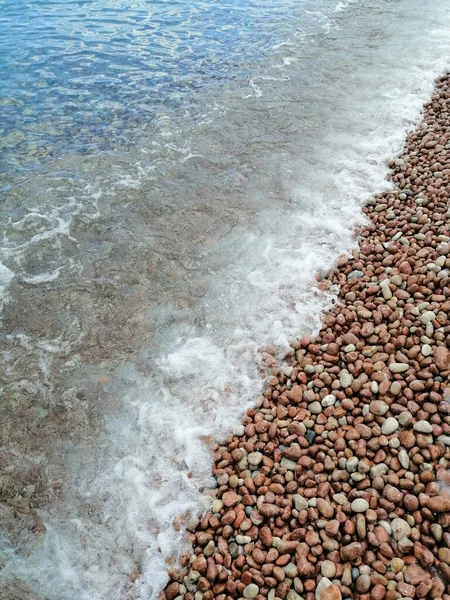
x=300, y=503
x=423, y=427
x=233, y=481
x=403, y=458
x=352, y=464
x=427, y=316
x=340, y=499
x=355, y=274
x=389, y=426
x=216, y=506
x=345, y=379
x=315, y=408
x=328, y=569
x=405, y=418
x=386, y=291
x=243, y=539
x=328, y=400
x=254, y=458
x=360, y=505
x=395, y=388
x=378, y=470
x=396, y=367
x=397, y=564
x=427, y=350
x=362, y=584
x=291, y=570
x=400, y=529
x=288, y=464
x=209, y=548
x=378, y=407
x=250, y=591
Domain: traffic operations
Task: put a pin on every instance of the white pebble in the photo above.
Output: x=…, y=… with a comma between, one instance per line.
x=423, y=427
x=389, y=426
x=360, y=505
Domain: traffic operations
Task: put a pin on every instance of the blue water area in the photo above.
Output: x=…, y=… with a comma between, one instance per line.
x=82, y=75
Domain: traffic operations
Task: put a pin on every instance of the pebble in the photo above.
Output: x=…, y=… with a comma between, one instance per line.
x=329, y=400
x=397, y=564
x=340, y=499
x=230, y=499
x=400, y=528
x=360, y=505
x=255, y=458
x=300, y=502
x=351, y=552
x=396, y=367
x=442, y=358
x=427, y=316
x=315, y=408
x=423, y=427
x=325, y=508
x=345, y=379
x=352, y=464
x=326, y=590
x=291, y=570
x=250, y=591
x=386, y=291
x=427, y=350
x=389, y=426
x=378, y=407
x=404, y=458
x=355, y=275
x=396, y=388
x=290, y=465
x=243, y=539
x=362, y=584
x=328, y=569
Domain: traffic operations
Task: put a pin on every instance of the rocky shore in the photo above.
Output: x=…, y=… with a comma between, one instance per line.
x=337, y=483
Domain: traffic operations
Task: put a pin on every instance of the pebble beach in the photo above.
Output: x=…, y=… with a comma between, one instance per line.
x=336, y=485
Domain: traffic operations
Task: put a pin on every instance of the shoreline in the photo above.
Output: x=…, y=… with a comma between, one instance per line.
x=336, y=486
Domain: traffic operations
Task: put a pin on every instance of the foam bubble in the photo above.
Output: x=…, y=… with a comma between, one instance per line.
x=6, y=276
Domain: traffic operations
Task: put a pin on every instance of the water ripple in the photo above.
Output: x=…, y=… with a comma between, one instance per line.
x=61, y=60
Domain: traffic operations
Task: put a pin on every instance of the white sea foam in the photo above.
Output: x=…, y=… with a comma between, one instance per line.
x=6, y=276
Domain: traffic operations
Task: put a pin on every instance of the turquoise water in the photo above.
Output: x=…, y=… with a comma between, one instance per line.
x=90, y=75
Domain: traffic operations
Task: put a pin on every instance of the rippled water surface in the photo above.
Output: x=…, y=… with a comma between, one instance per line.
x=174, y=177
x=89, y=75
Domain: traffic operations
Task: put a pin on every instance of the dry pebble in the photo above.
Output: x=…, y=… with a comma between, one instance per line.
x=336, y=485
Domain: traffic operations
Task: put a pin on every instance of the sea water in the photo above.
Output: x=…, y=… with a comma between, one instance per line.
x=174, y=176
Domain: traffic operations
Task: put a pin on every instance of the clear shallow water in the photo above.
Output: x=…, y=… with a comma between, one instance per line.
x=90, y=75
x=144, y=282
